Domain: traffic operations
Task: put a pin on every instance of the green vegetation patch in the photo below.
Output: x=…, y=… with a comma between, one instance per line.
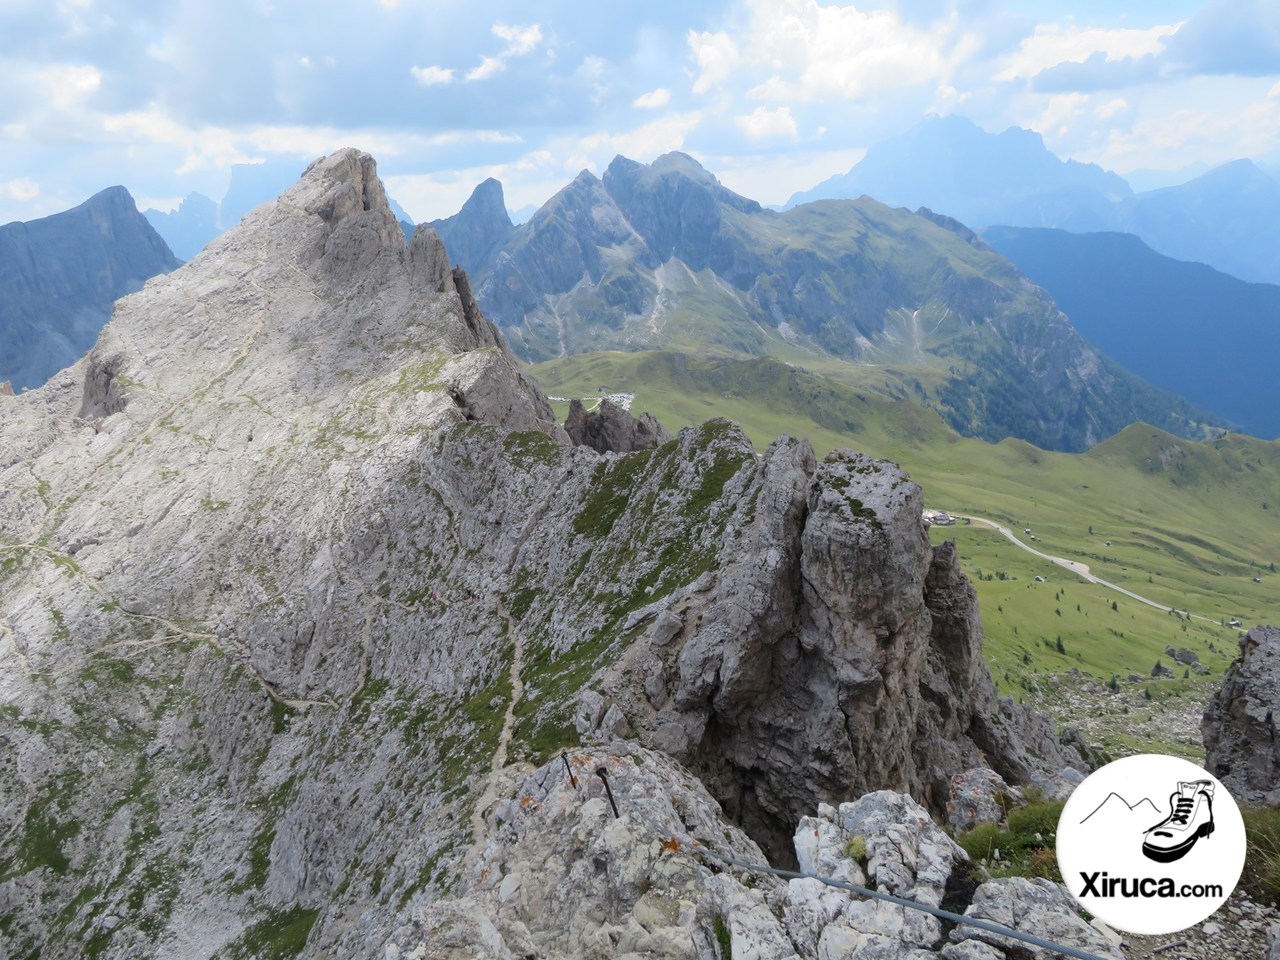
x=423, y=376
x=280, y=935
x=611, y=489
x=1261, y=877
x=531, y=448
x=1023, y=846
x=40, y=842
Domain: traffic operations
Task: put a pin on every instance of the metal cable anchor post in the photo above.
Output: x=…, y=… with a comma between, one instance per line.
x=603, y=774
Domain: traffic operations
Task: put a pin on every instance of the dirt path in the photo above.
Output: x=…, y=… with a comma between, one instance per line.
x=499, y=761
x=1079, y=569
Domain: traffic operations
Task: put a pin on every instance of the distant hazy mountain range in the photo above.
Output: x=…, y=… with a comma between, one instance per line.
x=664, y=256
x=1225, y=217
x=1183, y=326
x=199, y=219
x=60, y=276
x=953, y=166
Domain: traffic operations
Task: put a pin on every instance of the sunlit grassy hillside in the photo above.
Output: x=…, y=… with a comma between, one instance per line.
x=1193, y=525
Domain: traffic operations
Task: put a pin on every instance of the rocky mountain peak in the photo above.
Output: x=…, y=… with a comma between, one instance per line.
x=112, y=198
x=482, y=224
x=677, y=207
x=60, y=275
x=487, y=201
x=341, y=185
x=670, y=173
x=611, y=428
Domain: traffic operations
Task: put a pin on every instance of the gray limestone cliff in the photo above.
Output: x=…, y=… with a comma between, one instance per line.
x=1239, y=729
x=300, y=581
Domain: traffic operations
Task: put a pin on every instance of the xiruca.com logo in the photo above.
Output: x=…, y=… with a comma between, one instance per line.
x=1151, y=844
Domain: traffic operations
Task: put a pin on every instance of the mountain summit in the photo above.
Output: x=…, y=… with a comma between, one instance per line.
x=482, y=225
x=60, y=275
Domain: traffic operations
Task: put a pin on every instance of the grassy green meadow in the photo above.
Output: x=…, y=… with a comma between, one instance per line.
x=1188, y=524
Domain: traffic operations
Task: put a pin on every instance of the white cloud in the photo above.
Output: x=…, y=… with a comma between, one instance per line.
x=1274, y=92
x=489, y=67
x=21, y=189
x=765, y=124
x=653, y=100
x=429, y=196
x=430, y=76
x=802, y=51
x=1059, y=112
x=643, y=143
x=314, y=141
x=1209, y=130
x=1113, y=108
x=774, y=177
x=817, y=52
x=717, y=56
x=1052, y=44
x=205, y=147
x=163, y=204
x=520, y=40
x=67, y=85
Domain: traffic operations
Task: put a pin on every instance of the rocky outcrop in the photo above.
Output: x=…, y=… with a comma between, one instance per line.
x=836, y=652
x=611, y=429
x=1238, y=727
x=59, y=277
x=979, y=796
x=1036, y=906
x=560, y=875
x=298, y=575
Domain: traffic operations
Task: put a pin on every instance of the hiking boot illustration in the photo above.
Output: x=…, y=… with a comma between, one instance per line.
x=1190, y=818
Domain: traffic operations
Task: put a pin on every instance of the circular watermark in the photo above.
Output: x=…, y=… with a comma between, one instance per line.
x=1151, y=844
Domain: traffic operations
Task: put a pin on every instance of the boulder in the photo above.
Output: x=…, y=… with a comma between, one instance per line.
x=978, y=795
x=1040, y=907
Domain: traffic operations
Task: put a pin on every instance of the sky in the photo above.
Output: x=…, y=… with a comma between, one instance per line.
x=772, y=96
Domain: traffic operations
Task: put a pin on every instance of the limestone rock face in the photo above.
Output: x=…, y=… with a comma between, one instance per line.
x=978, y=796
x=836, y=652
x=559, y=875
x=1239, y=730
x=610, y=429
x=1039, y=907
x=299, y=580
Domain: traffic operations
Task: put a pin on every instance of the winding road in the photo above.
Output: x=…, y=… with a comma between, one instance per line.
x=1079, y=569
